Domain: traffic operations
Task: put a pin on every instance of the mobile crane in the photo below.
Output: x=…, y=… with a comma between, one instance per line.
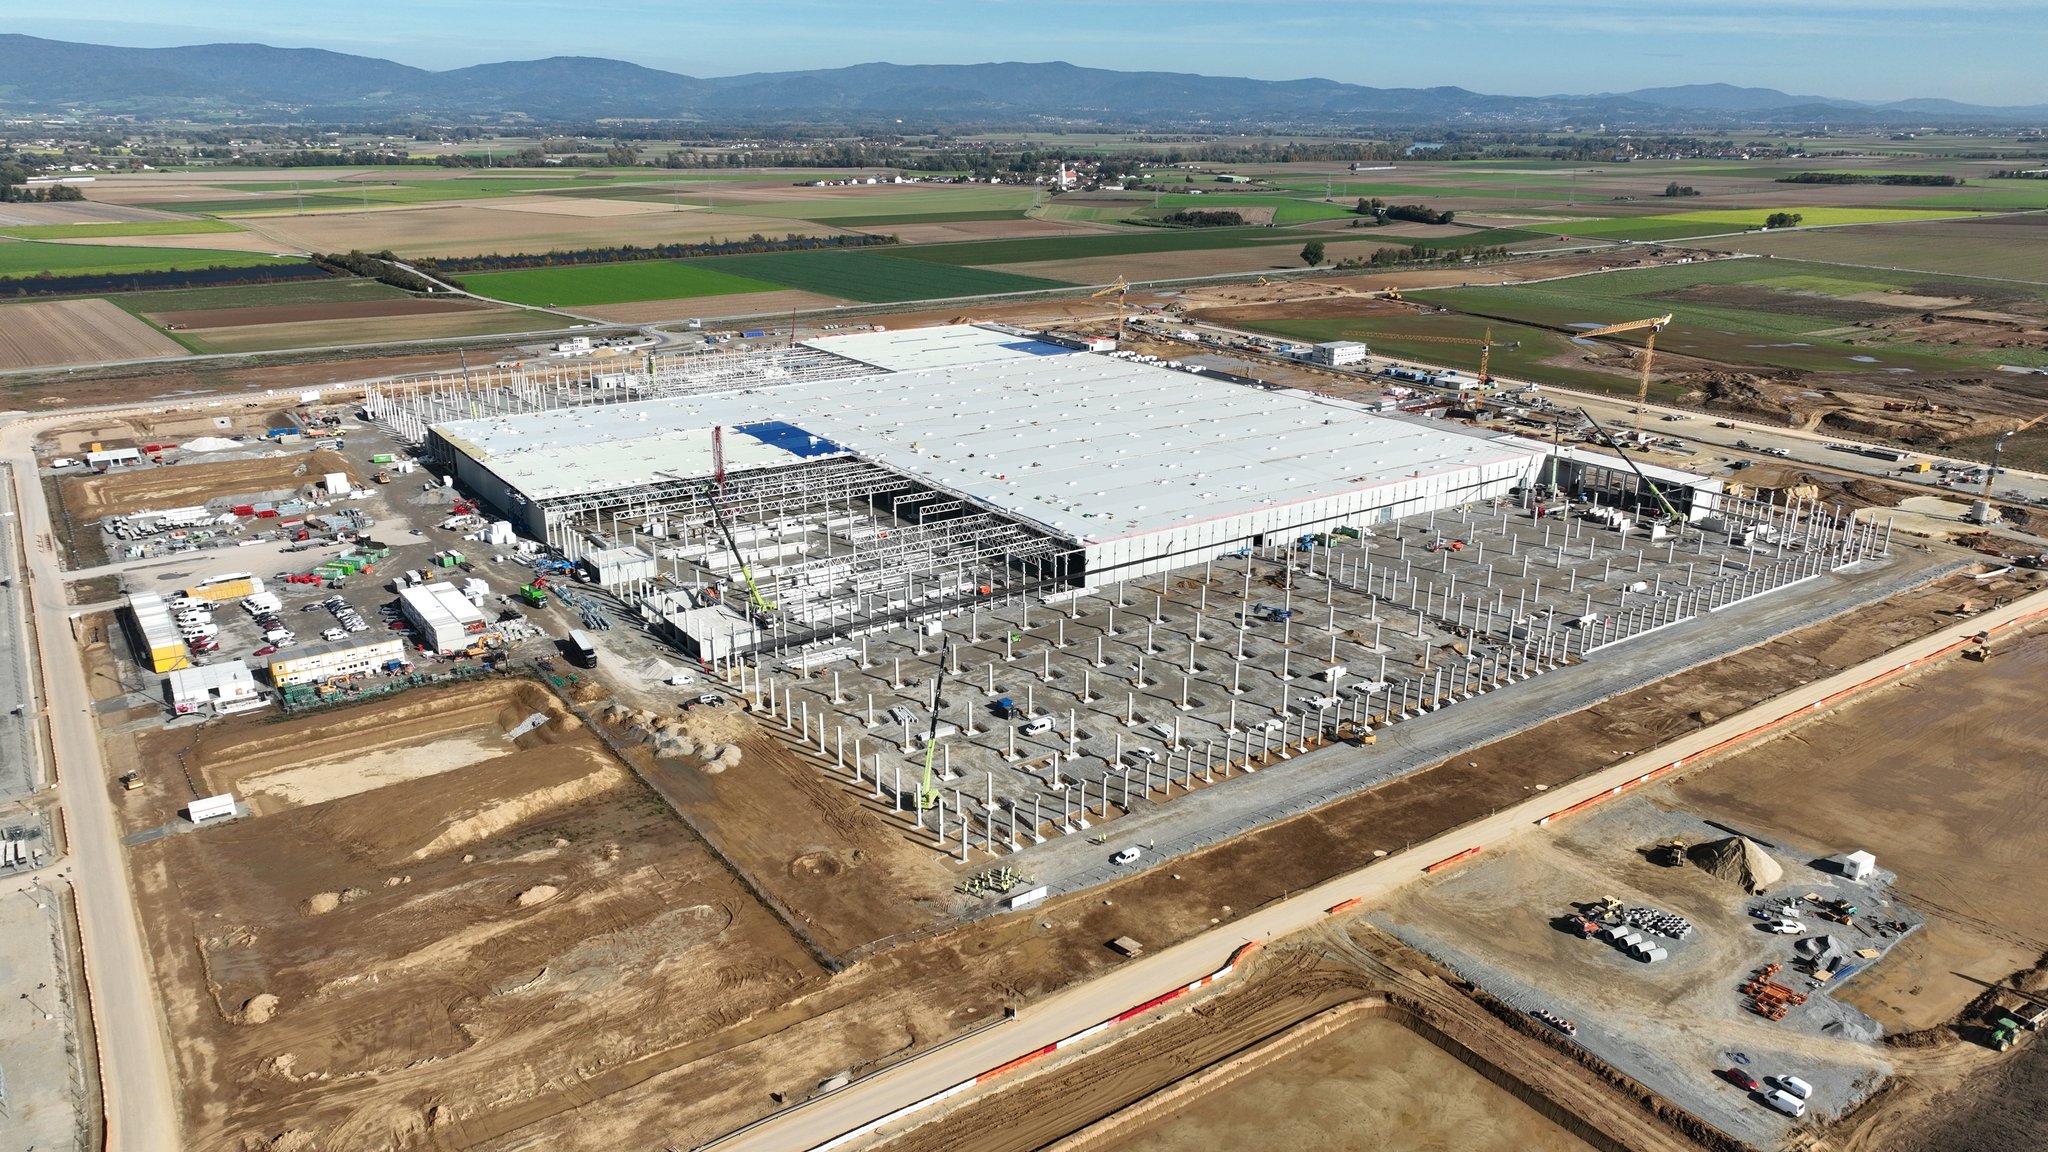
x=927, y=793
x=1654, y=325
x=1981, y=513
x=1611, y=442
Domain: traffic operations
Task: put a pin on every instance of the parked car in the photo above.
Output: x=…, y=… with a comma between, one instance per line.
x=266, y=650
x=1739, y=1078
x=1787, y=1103
x=333, y=634
x=1793, y=1085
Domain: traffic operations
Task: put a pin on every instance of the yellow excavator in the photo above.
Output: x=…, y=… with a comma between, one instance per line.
x=1122, y=291
x=1654, y=325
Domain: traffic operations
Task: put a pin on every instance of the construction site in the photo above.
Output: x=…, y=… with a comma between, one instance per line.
x=848, y=695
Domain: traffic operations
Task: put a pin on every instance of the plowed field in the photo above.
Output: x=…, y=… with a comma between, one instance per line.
x=47, y=333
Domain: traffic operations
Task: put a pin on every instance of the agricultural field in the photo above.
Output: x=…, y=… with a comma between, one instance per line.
x=1718, y=221
x=1285, y=209
x=127, y=228
x=48, y=333
x=878, y=278
x=1020, y=251
x=31, y=258
x=551, y=224
x=2000, y=247
x=572, y=287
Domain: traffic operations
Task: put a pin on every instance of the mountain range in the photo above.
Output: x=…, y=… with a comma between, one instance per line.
x=259, y=82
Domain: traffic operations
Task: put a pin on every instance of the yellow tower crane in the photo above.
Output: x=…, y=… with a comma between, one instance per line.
x=1121, y=290
x=1485, y=345
x=1655, y=325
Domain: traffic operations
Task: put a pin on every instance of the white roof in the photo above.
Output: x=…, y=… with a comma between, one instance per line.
x=574, y=450
x=439, y=604
x=940, y=346
x=192, y=683
x=1089, y=446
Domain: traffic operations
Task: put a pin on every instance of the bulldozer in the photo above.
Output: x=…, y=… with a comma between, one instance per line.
x=1670, y=855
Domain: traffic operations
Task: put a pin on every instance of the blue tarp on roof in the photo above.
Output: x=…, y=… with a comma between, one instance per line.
x=790, y=439
x=1038, y=348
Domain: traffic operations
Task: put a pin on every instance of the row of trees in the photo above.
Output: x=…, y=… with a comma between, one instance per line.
x=1203, y=218
x=1904, y=179
x=1314, y=253
x=1676, y=189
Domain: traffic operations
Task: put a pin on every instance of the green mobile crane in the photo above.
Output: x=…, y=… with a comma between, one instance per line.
x=927, y=794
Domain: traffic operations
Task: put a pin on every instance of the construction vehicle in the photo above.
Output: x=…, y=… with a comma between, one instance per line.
x=927, y=792
x=384, y=476
x=1484, y=343
x=131, y=781
x=535, y=593
x=732, y=545
x=1671, y=854
x=1611, y=442
x=1650, y=328
x=2005, y=1033
x=1122, y=291
x=1276, y=615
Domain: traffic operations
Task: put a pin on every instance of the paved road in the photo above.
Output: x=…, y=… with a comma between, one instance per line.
x=1139, y=980
x=134, y=1057
x=20, y=767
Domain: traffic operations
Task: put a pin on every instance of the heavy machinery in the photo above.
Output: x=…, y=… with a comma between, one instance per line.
x=535, y=593
x=1653, y=325
x=1980, y=510
x=927, y=792
x=1122, y=291
x=732, y=545
x=1484, y=344
x=1611, y=442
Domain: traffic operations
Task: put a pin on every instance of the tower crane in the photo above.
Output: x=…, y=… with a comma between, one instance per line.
x=1121, y=290
x=1654, y=325
x=1485, y=345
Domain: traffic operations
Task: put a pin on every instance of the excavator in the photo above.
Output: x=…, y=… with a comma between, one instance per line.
x=1654, y=325
x=1122, y=291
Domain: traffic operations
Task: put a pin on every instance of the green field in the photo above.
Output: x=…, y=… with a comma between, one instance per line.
x=1779, y=313
x=874, y=277
x=29, y=258
x=911, y=203
x=121, y=228
x=1716, y=221
x=338, y=290
x=973, y=252
x=1991, y=195
x=583, y=285
x=1286, y=209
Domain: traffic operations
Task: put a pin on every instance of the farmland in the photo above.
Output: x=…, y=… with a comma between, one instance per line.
x=878, y=278
x=44, y=333
x=117, y=228
x=572, y=287
x=2001, y=247
x=1724, y=220
x=30, y=258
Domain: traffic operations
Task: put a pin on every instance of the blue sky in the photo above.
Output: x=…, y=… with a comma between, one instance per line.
x=1983, y=51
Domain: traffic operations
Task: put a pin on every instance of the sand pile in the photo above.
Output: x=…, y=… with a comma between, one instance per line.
x=258, y=1009
x=538, y=894
x=1737, y=859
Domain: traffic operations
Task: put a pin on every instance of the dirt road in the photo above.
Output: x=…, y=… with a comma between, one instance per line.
x=825, y=1124
x=134, y=1059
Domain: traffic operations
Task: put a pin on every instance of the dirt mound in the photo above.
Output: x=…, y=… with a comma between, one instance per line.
x=322, y=903
x=483, y=823
x=258, y=1009
x=538, y=894
x=1739, y=393
x=1739, y=860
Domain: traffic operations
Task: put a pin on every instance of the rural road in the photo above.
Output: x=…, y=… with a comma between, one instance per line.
x=134, y=1057
x=821, y=1123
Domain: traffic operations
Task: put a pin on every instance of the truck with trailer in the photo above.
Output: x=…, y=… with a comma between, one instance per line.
x=582, y=652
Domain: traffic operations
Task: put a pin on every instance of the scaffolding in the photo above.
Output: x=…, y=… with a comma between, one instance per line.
x=408, y=405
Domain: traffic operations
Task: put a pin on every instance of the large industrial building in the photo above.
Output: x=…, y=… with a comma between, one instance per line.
x=885, y=474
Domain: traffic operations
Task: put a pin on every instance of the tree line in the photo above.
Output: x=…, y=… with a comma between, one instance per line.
x=1911, y=180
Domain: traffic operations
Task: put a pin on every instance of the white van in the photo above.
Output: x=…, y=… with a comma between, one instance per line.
x=1787, y=1103
x=195, y=631
x=1034, y=727
x=1126, y=856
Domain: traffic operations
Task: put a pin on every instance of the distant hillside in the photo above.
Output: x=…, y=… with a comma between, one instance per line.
x=284, y=83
